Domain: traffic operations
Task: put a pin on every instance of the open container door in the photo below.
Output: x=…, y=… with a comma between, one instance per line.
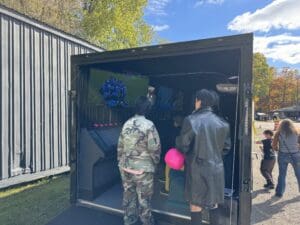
x=245, y=136
x=232, y=56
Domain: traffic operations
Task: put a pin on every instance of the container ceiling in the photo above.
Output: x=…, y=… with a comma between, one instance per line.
x=226, y=62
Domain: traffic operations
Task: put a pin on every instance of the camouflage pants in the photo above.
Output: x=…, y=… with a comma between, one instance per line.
x=138, y=190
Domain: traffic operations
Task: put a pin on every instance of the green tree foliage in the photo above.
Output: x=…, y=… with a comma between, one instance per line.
x=116, y=24
x=112, y=24
x=262, y=76
x=64, y=15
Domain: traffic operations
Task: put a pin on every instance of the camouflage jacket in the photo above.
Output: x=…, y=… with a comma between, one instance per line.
x=139, y=145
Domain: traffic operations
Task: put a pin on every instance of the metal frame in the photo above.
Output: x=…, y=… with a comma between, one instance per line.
x=243, y=43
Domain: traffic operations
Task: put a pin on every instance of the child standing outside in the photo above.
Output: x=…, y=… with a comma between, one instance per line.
x=269, y=159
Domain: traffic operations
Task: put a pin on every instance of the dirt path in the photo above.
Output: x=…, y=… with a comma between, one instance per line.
x=267, y=209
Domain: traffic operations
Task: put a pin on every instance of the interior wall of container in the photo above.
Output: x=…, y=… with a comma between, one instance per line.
x=187, y=73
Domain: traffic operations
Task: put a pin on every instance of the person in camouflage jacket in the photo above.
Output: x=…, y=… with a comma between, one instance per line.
x=138, y=155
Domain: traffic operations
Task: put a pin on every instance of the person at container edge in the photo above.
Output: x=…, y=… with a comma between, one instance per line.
x=139, y=151
x=203, y=138
x=286, y=142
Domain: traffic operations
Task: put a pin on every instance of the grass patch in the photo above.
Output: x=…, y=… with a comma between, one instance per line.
x=34, y=204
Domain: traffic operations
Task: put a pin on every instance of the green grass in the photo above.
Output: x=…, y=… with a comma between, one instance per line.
x=34, y=204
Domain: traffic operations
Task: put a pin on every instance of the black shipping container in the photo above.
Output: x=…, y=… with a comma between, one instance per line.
x=223, y=64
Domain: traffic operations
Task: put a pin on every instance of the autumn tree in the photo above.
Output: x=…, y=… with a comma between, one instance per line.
x=284, y=89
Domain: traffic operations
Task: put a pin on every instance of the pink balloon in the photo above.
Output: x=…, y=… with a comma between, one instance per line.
x=174, y=159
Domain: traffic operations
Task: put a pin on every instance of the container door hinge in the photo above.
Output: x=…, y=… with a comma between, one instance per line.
x=246, y=185
x=72, y=94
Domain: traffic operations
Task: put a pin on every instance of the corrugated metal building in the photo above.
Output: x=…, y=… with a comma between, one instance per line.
x=34, y=84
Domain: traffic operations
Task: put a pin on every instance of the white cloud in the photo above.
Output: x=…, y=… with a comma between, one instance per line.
x=213, y=2
x=159, y=28
x=283, y=47
x=278, y=14
x=157, y=7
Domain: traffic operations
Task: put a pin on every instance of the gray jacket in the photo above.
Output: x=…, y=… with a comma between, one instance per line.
x=286, y=144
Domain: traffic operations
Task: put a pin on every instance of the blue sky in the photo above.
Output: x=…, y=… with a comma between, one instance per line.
x=275, y=23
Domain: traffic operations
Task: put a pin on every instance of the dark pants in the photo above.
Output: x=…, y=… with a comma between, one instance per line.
x=266, y=168
x=284, y=159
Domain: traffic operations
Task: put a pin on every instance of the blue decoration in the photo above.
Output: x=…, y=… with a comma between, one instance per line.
x=114, y=92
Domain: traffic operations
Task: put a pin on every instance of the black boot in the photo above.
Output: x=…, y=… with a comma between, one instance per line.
x=214, y=217
x=196, y=218
x=269, y=185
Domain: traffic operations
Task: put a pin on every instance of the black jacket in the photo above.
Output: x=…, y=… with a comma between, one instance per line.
x=203, y=138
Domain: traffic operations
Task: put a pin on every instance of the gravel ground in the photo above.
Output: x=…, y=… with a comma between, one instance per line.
x=267, y=209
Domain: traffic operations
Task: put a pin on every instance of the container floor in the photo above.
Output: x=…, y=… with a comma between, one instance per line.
x=77, y=215
x=160, y=203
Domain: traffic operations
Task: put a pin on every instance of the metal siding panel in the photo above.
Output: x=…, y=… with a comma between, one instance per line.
x=27, y=97
x=16, y=92
x=63, y=94
x=11, y=100
x=50, y=113
x=46, y=100
x=35, y=79
x=42, y=100
x=55, y=97
x=5, y=147
x=76, y=50
x=0, y=100
x=19, y=162
x=37, y=134
x=68, y=60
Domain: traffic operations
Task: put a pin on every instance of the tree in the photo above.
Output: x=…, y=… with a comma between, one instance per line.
x=274, y=89
x=112, y=24
x=116, y=24
x=64, y=15
x=284, y=89
x=262, y=76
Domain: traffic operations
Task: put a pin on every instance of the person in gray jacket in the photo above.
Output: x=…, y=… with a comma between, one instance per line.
x=203, y=138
